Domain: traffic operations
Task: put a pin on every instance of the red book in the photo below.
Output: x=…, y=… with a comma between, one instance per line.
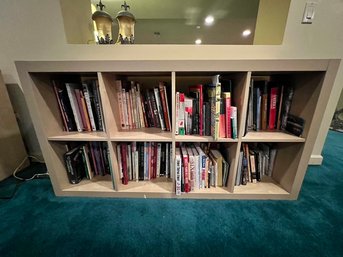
x=222, y=118
x=186, y=169
x=274, y=91
x=199, y=89
x=227, y=98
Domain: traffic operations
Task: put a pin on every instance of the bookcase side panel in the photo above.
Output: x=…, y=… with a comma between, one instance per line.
x=313, y=130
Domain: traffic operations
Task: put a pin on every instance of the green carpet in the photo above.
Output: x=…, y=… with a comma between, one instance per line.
x=36, y=223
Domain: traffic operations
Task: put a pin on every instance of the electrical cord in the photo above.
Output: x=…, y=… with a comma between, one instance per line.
x=38, y=175
x=22, y=180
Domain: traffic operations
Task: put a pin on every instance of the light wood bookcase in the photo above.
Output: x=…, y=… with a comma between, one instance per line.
x=313, y=81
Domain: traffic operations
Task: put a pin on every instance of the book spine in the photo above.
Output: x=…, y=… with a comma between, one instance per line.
x=89, y=106
x=85, y=111
x=74, y=107
x=181, y=122
x=234, y=121
x=278, y=123
x=178, y=172
x=264, y=109
x=177, y=111
x=222, y=126
x=120, y=166
x=159, y=108
x=272, y=107
x=217, y=114
x=158, y=160
x=163, y=94
x=80, y=108
x=144, y=111
x=141, y=161
x=154, y=109
x=121, y=105
x=188, y=115
x=125, y=179
x=286, y=107
x=228, y=116
x=125, y=107
x=97, y=100
x=61, y=107
x=140, y=106
x=186, y=169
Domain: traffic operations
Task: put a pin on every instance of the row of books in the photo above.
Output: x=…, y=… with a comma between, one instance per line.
x=269, y=107
x=206, y=111
x=255, y=161
x=80, y=105
x=144, y=160
x=87, y=160
x=142, y=109
x=198, y=168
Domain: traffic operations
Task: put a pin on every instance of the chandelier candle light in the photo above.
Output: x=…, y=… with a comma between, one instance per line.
x=126, y=22
x=103, y=23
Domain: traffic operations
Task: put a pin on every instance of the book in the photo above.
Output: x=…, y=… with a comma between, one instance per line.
x=286, y=106
x=239, y=169
x=74, y=106
x=234, y=128
x=74, y=165
x=188, y=103
x=264, y=107
x=198, y=90
x=217, y=85
x=222, y=127
x=279, y=110
x=177, y=111
x=159, y=108
x=295, y=125
x=181, y=121
x=165, y=106
x=274, y=91
x=218, y=159
x=227, y=102
x=178, y=171
x=86, y=94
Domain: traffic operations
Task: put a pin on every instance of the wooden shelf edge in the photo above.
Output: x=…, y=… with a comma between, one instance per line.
x=271, y=136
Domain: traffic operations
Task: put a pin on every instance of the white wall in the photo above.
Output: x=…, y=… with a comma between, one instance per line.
x=33, y=30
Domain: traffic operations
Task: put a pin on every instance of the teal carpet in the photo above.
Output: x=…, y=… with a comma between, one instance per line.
x=36, y=223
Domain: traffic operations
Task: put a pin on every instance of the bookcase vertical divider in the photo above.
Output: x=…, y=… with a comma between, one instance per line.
x=114, y=163
x=173, y=120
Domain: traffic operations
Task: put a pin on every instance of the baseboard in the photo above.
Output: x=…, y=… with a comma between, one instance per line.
x=316, y=160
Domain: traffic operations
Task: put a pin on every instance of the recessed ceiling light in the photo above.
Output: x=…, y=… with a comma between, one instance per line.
x=198, y=41
x=198, y=27
x=209, y=20
x=246, y=32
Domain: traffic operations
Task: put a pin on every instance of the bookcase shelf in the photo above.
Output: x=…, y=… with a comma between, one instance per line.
x=271, y=136
x=79, y=136
x=312, y=81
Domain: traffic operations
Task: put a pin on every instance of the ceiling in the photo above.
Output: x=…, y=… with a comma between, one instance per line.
x=182, y=22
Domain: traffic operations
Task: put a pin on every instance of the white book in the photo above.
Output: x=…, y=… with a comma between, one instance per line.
x=74, y=106
x=159, y=108
x=178, y=174
x=146, y=161
x=177, y=111
x=126, y=107
x=197, y=167
x=202, y=161
x=120, y=103
x=234, y=121
x=188, y=115
x=89, y=106
x=119, y=161
x=192, y=171
x=158, y=160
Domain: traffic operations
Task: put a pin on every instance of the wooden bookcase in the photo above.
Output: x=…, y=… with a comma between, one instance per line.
x=312, y=79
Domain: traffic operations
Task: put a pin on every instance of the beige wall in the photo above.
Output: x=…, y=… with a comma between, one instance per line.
x=33, y=30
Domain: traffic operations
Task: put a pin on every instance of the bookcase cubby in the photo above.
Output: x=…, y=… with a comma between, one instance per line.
x=312, y=81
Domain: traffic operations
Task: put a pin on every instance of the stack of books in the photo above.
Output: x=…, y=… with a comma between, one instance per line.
x=144, y=161
x=143, y=109
x=87, y=160
x=80, y=106
x=198, y=167
x=206, y=111
x=255, y=161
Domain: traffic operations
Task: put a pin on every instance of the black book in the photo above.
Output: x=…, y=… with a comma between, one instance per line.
x=207, y=119
x=196, y=112
x=141, y=155
x=286, y=106
x=163, y=160
x=74, y=163
x=94, y=96
x=295, y=125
